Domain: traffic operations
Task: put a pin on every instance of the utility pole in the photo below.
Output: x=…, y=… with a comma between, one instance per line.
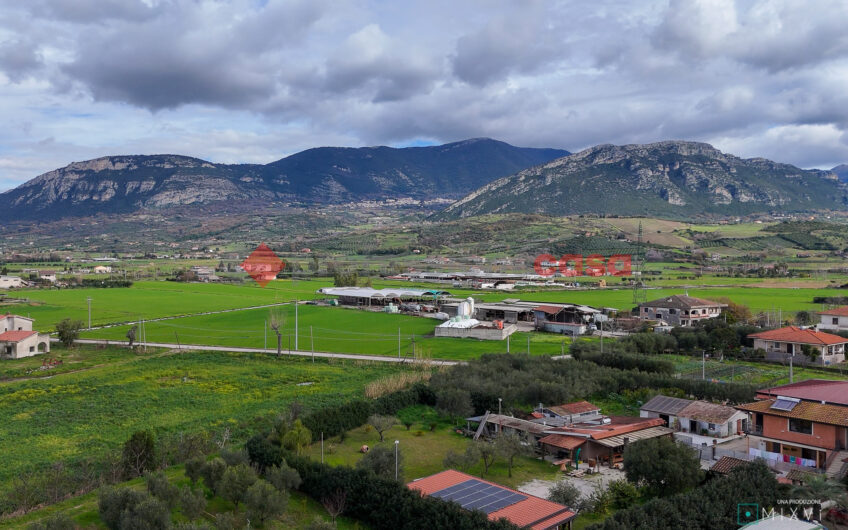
x=322, y=447
x=295, y=324
x=265, y=330
x=528, y=344
x=791, y=357
x=507, y=343
x=413, y=346
x=312, y=343
x=499, y=414
x=89, y=311
x=703, y=364
x=398, y=343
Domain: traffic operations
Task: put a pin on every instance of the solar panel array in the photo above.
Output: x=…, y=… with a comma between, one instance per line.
x=477, y=495
x=784, y=404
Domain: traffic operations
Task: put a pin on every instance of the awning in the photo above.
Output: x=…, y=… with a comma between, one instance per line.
x=618, y=441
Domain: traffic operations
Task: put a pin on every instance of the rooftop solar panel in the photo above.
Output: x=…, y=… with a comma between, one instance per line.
x=477, y=495
x=784, y=404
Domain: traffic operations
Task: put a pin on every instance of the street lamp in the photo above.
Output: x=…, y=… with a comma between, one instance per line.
x=396, y=458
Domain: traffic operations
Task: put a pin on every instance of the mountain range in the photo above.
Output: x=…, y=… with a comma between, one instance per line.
x=325, y=175
x=667, y=179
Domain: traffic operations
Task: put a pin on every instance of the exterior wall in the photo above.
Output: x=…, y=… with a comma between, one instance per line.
x=12, y=323
x=777, y=427
x=833, y=323
x=776, y=350
x=560, y=327
x=476, y=333
x=8, y=282
x=679, y=317
x=25, y=348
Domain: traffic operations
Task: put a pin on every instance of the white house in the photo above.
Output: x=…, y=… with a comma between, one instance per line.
x=102, y=269
x=49, y=276
x=791, y=340
x=9, y=282
x=696, y=417
x=834, y=319
x=18, y=338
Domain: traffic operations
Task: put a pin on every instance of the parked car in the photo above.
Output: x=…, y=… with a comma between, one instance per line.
x=837, y=515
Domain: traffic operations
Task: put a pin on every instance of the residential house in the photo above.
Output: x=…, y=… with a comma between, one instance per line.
x=834, y=319
x=49, y=276
x=19, y=340
x=806, y=433
x=205, y=274
x=10, y=282
x=782, y=343
x=726, y=464
x=680, y=310
x=815, y=390
x=711, y=419
x=496, y=501
x=102, y=269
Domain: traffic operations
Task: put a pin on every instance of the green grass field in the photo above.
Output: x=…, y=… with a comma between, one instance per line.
x=333, y=329
x=87, y=413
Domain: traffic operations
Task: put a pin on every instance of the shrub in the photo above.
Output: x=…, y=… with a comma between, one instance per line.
x=380, y=460
x=664, y=466
x=212, y=472
x=564, y=493
x=160, y=487
x=283, y=477
x=235, y=481
x=263, y=501
x=139, y=454
x=57, y=521
x=113, y=502
x=192, y=503
x=194, y=468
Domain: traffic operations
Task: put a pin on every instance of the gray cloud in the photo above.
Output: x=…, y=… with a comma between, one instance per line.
x=248, y=80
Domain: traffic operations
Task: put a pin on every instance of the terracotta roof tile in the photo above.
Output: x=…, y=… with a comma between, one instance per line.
x=836, y=311
x=798, y=335
x=805, y=410
x=16, y=336
x=618, y=425
x=563, y=441
x=708, y=412
x=726, y=463
x=574, y=408
x=680, y=301
x=533, y=512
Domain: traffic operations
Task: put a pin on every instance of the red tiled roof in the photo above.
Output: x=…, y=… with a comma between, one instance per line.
x=798, y=335
x=826, y=390
x=16, y=336
x=563, y=441
x=708, y=412
x=726, y=464
x=805, y=410
x=532, y=512
x=836, y=311
x=618, y=425
x=7, y=315
x=574, y=408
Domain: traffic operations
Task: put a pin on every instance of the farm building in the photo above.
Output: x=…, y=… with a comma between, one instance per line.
x=680, y=310
x=10, y=282
x=366, y=296
x=834, y=319
x=782, y=343
x=565, y=318
x=696, y=417
x=102, y=269
x=19, y=340
x=567, y=413
x=496, y=501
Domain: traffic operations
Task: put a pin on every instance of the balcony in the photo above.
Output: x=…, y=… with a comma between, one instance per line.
x=756, y=430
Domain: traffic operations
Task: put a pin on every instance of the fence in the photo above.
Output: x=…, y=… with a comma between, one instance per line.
x=774, y=460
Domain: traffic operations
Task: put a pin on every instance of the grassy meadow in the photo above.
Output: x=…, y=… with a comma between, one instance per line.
x=87, y=413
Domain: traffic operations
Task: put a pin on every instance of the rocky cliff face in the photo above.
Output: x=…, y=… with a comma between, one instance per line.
x=666, y=178
x=319, y=176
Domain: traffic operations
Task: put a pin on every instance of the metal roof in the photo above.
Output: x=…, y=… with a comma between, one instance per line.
x=665, y=405
x=367, y=292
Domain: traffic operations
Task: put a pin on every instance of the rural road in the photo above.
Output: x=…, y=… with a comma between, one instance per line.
x=176, y=317
x=326, y=355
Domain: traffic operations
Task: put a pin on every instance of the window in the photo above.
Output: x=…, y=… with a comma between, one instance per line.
x=711, y=426
x=672, y=311
x=32, y=348
x=835, y=321
x=646, y=310
x=800, y=426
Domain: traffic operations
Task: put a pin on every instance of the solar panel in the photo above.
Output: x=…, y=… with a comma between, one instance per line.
x=477, y=495
x=784, y=404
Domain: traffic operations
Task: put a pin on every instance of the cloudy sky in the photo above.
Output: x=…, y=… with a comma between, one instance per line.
x=254, y=80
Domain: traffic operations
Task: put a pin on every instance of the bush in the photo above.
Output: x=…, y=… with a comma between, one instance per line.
x=262, y=453
x=380, y=460
x=624, y=494
x=113, y=502
x=283, y=477
x=194, y=468
x=565, y=493
x=621, y=360
x=68, y=331
x=149, y=514
x=665, y=467
x=212, y=472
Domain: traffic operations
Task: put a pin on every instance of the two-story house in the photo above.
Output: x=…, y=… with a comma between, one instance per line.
x=804, y=433
x=18, y=339
x=781, y=343
x=680, y=310
x=834, y=319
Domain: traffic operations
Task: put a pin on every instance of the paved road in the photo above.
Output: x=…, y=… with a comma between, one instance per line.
x=301, y=353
